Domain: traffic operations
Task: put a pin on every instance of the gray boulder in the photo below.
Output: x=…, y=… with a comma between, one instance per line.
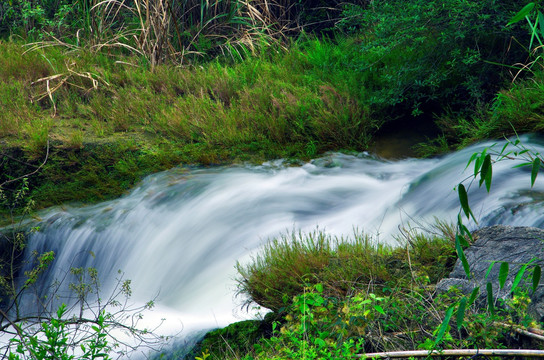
x=514, y=245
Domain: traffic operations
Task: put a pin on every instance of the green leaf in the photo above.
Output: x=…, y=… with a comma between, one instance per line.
x=541, y=23
x=503, y=274
x=379, y=309
x=444, y=325
x=479, y=161
x=522, y=165
x=319, y=288
x=490, y=298
x=534, y=170
x=519, y=276
x=462, y=256
x=489, y=269
x=504, y=148
x=488, y=177
x=537, y=273
x=464, y=231
x=472, y=158
x=474, y=295
x=320, y=342
x=486, y=172
x=461, y=313
x=522, y=13
x=463, y=199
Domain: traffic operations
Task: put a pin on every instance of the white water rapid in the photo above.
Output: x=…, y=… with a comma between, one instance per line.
x=179, y=233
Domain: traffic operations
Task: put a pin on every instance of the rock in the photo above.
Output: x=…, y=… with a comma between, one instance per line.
x=496, y=244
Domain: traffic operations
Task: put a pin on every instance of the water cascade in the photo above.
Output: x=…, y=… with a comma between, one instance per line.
x=179, y=233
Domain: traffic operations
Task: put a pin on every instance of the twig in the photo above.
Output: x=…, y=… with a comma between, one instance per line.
x=530, y=332
x=454, y=352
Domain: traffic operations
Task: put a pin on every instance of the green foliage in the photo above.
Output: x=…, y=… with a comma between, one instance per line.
x=421, y=57
x=37, y=327
x=483, y=162
x=319, y=326
x=53, y=341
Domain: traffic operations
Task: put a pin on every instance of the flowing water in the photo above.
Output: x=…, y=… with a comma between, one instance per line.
x=179, y=233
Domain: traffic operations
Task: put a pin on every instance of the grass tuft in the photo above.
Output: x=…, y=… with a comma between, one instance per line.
x=288, y=264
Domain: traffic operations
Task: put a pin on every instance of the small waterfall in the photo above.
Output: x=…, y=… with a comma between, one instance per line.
x=180, y=232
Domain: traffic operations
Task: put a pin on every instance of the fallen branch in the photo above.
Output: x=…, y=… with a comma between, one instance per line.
x=454, y=352
x=529, y=333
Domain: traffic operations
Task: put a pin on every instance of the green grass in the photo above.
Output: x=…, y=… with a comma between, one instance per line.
x=296, y=100
x=286, y=265
x=99, y=113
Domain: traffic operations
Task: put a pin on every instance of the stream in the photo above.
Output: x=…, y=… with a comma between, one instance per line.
x=179, y=233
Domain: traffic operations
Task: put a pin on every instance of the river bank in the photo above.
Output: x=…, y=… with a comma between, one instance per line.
x=112, y=117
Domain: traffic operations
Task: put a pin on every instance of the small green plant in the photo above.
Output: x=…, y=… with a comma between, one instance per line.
x=54, y=341
x=86, y=326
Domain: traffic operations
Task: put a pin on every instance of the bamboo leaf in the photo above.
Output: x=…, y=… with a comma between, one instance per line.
x=479, y=161
x=472, y=158
x=464, y=231
x=489, y=269
x=503, y=274
x=488, y=177
x=486, y=167
x=518, y=277
x=444, y=325
x=504, y=148
x=522, y=165
x=462, y=256
x=463, y=199
x=474, y=295
x=534, y=170
x=541, y=24
x=537, y=273
x=461, y=313
x=490, y=304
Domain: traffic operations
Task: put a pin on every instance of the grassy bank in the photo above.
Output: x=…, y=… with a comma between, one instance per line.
x=112, y=114
x=337, y=298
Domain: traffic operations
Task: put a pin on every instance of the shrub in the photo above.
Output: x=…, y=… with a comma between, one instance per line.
x=424, y=57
